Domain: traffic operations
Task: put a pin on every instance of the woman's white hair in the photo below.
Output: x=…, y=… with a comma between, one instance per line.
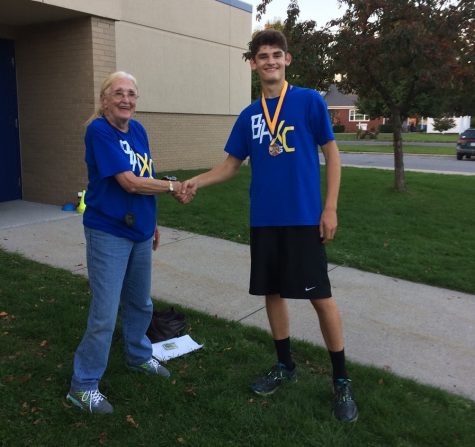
x=105, y=89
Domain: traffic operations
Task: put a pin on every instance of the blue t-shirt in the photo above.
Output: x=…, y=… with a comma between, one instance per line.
x=285, y=188
x=109, y=152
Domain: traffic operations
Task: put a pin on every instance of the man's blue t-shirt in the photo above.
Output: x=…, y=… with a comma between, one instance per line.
x=285, y=188
x=109, y=152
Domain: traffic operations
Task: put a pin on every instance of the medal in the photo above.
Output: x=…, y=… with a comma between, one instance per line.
x=274, y=148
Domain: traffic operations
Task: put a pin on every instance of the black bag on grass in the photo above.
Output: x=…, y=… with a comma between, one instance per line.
x=165, y=324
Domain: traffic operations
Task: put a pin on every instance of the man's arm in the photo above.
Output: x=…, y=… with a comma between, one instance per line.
x=220, y=173
x=329, y=220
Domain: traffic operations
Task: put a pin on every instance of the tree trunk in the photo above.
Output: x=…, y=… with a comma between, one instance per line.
x=399, y=176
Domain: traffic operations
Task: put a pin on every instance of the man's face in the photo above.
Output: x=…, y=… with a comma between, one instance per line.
x=270, y=63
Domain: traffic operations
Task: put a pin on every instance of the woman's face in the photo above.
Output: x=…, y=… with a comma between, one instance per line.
x=120, y=100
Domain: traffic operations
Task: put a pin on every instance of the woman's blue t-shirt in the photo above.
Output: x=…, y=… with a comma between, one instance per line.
x=109, y=152
x=285, y=188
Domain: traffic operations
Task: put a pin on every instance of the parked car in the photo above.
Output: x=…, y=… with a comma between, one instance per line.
x=466, y=144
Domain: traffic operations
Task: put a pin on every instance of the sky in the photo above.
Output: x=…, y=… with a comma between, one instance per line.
x=321, y=11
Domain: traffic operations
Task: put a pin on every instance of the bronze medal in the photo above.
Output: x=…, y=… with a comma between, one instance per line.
x=274, y=149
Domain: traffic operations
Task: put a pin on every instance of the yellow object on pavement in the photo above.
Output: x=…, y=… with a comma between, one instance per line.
x=82, y=204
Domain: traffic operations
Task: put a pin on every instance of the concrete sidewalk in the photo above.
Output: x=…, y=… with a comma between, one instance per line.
x=417, y=331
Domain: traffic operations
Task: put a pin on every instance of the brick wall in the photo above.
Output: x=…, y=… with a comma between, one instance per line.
x=60, y=68
x=103, y=52
x=54, y=94
x=342, y=116
x=186, y=141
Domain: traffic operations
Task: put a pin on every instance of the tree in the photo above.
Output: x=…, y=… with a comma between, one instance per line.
x=404, y=57
x=461, y=98
x=408, y=54
x=311, y=65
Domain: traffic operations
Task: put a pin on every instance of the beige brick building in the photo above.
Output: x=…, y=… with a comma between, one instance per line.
x=54, y=55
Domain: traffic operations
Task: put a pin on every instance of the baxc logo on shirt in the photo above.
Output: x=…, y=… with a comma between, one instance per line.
x=259, y=130
x=136, y=160
x=258, y=126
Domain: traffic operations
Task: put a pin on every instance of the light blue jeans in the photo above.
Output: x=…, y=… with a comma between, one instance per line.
x=119, y=273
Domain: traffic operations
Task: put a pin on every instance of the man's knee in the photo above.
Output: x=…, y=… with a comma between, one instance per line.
x=325, y=305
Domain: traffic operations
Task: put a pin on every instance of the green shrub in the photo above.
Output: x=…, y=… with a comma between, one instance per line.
x=338, y=128
x=443, y=123
x=386, y=128
x=371, y=134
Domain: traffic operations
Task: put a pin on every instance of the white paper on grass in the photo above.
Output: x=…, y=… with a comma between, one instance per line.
x=175, y=347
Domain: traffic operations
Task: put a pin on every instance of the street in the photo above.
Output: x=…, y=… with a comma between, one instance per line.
x=424, y=163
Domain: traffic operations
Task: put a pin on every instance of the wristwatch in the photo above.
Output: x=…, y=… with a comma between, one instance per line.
x=170, y=179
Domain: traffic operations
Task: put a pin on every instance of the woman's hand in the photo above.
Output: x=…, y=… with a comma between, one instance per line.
x=156, y=239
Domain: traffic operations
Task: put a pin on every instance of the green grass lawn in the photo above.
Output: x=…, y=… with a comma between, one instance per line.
x=424, y=235
x=407, y=149
x=407, y=137
x=207, y=402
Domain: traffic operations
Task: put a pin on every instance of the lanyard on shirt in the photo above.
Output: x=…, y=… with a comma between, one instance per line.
x=129, y=217
x=274, y=149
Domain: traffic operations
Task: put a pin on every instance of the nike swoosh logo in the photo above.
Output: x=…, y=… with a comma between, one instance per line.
x=309, y=288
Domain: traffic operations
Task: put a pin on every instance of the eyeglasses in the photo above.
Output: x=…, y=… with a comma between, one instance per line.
x=120, y=94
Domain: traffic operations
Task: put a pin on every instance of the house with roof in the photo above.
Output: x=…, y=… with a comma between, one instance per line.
x=343, y=111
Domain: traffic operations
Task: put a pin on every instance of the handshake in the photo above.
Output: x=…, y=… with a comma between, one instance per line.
x=183, y=192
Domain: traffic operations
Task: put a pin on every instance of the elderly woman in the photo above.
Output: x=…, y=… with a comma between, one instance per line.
x=121, y=232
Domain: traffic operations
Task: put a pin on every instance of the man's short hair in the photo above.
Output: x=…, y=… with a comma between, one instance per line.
x=269, y=37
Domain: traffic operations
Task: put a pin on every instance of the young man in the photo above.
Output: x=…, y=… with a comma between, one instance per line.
x=280, y=133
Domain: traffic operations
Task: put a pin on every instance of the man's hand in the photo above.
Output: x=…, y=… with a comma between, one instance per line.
x=188, y=191
x=328, y=225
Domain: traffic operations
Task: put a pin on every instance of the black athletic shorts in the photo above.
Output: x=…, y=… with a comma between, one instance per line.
x=290, y=261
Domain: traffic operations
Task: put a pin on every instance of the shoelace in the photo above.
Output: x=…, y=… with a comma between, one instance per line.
x=343, y=392
x=94, y=397
x=275, y=374
x=154, y=363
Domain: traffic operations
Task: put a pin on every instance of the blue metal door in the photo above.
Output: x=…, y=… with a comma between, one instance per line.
x=10, y=167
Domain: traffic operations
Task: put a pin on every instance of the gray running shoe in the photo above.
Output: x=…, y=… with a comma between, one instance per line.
x=269, y=383
x=151, y=367
x=345, y=409
x=91, y=400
